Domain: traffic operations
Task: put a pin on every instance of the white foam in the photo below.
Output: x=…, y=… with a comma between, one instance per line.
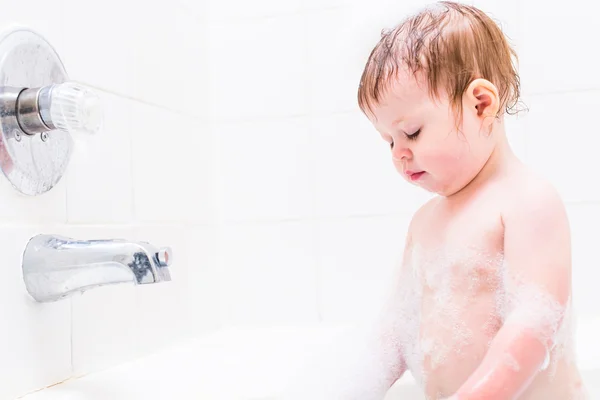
x=512, y=362
x=452, y=279
x=360, y=366
x=364, y=363
x=529, y=305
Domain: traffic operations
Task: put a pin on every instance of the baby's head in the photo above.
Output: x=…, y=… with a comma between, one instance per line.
x=436, y=87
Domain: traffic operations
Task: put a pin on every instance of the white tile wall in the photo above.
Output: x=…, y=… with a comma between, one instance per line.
x=357, y=258
x=169, y=57
x=257, y=67
x=336, y=57
x=172, y=164
x=354, y=171
x=309, y=5
x=268, y=273
x=517, y=133
x=146, y=51
x=373, y=16
x=584, y=220
x=97, y=44
x=556, y=53
x=147, y=176
x=266, y=169
x=504, y=13
x=35, y=341
x=563, y=139
x=104, y=328
x=232, y=134
x=49, y=207
x=47, y=18
x=203, y=273
x=163, y=311
x=239, y=10
x=114, y=324
x=355, y=188
x=103, y=173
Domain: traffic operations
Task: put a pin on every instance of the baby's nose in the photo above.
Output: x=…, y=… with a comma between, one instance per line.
x=401, y=154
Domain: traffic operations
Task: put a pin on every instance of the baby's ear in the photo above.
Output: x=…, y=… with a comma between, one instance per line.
x=482, y=95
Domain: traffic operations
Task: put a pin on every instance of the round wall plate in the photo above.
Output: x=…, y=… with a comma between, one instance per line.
x=32, y=163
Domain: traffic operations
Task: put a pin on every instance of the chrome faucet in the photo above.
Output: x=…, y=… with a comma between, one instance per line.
x=55, y=267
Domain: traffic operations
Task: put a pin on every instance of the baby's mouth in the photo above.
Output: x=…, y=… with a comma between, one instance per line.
x=414, y=176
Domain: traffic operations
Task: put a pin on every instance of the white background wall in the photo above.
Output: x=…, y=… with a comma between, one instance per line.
x=147, y=176
x=233, y=135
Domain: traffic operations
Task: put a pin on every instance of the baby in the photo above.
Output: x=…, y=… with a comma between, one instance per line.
x=481, y=307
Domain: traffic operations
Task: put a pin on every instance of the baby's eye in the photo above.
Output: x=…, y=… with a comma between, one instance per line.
x=414, y=135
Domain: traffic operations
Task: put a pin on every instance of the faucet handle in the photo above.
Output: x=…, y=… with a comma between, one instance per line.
x=164, y=256
x=74, y=108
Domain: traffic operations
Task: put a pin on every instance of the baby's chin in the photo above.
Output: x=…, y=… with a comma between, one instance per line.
x=425, y=182
x=429, y=184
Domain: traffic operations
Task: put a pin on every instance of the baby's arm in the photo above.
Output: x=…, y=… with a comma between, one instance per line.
x=538, y=279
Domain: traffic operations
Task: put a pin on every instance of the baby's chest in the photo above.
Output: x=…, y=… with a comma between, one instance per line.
x=461, y=254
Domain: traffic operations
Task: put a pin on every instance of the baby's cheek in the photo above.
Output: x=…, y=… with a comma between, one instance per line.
x=449, y=164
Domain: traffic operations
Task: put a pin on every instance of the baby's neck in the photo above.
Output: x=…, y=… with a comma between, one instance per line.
x=502, y=157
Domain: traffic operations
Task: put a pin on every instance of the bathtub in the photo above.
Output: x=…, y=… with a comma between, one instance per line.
x=250, y=364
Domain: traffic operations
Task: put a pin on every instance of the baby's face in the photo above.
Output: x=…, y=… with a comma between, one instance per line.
x=427, y=150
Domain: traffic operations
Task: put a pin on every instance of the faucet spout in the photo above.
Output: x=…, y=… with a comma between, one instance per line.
x=55, y=267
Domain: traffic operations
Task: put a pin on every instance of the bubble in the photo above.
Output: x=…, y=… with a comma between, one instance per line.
x=364, y=363
x=530, y=306
x=580, y=392
x=512, y=362
x=426, y=323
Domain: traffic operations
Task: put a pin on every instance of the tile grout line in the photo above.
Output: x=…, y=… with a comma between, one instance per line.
x=72, y=374
x=582, y=202
x=209, y=118
x=131, y=168
x=542, y=93
x=309, y=125
x=318, y=259
x=301, y=11
x=331, y=218
x=135, y=99
x=213, y=223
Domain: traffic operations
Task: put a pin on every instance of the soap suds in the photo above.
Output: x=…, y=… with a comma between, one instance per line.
x=426, y=323
x=528, y=305
x=512, y=362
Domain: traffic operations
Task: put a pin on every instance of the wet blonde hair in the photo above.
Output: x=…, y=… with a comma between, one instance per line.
x=450, y=44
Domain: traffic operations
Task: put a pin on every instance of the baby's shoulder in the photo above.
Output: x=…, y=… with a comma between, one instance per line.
x=420, y=217
x=528, y=191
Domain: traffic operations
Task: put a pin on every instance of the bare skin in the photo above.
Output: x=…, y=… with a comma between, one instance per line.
x=493, y=218
x=465, y=240
x=480, y=307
